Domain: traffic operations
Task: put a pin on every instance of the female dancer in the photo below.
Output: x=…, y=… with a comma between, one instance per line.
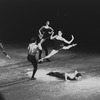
x=44, y=34
x=59, y=44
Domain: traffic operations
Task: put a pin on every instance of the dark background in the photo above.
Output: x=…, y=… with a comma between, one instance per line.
x=20, y=19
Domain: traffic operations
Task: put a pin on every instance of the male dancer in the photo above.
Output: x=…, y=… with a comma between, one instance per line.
x=44, y=34
x=32, y=51
x=59, y=44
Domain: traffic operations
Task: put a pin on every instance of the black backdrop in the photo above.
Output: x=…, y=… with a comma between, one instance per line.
x=20, y=19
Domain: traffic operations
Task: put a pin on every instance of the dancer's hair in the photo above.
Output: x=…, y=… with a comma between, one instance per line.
x=33, y=39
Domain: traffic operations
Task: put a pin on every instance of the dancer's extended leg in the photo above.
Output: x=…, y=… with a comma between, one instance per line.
x=69, y=46
x=53, y=52
x=40, y=47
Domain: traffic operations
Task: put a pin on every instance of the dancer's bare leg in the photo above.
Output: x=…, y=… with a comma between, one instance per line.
x=40, y=47
x=53, y=52
x=69, y=46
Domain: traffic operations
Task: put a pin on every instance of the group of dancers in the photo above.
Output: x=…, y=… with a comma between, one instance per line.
x=36, y=44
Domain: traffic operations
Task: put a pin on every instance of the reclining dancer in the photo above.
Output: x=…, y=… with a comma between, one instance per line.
x=3, y=50
x=44, y=34
x=67, y=76
x=59, y=44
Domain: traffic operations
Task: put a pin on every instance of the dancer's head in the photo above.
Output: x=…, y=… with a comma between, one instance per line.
x=33, y=40
x=77, y=74
x=47, y=23
x=60, y=33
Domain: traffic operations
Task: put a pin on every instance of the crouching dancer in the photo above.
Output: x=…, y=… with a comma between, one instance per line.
x=32, y=51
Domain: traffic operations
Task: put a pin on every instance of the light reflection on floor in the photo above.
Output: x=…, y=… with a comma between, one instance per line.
x=41, y=75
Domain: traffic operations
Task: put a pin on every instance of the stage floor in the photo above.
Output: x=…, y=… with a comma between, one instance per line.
x=15, y=83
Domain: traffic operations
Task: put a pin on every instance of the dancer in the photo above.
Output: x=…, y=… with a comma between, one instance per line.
x=59, y=44
x=3, y=50
x=66, y=76
x=45, y=48
x=44, y=34
x=32, y=51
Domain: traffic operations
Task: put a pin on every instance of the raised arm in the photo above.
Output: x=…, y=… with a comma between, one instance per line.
x=53, y=52
x=40, y=29
x=68, y=42
x=40, y=32
x=51, y=29
x=52, y=37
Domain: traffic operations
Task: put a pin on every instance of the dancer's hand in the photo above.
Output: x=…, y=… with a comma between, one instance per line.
x=72, y=37
x=74, y=45
x=41, y=60
x=5, y=53
x=8, y=56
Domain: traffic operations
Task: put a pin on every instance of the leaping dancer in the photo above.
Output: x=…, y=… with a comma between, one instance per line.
x=3, y=50
x=59, y=44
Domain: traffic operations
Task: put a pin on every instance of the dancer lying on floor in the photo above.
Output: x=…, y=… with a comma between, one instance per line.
x=59, y=44
x=65, y=76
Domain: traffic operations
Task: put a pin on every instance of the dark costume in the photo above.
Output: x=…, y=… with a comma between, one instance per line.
x=32, y=57
x=45, y=48
x=58, y=44
x=46, y=32
x=62, y=75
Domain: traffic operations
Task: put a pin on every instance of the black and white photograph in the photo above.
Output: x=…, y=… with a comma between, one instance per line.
x=49, y=50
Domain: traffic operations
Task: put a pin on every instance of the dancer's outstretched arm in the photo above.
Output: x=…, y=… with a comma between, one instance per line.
x=41, y=30
x=51, y=30
x=68, y=42
x=52, y=37
x=4, y=52
x=1, y=46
